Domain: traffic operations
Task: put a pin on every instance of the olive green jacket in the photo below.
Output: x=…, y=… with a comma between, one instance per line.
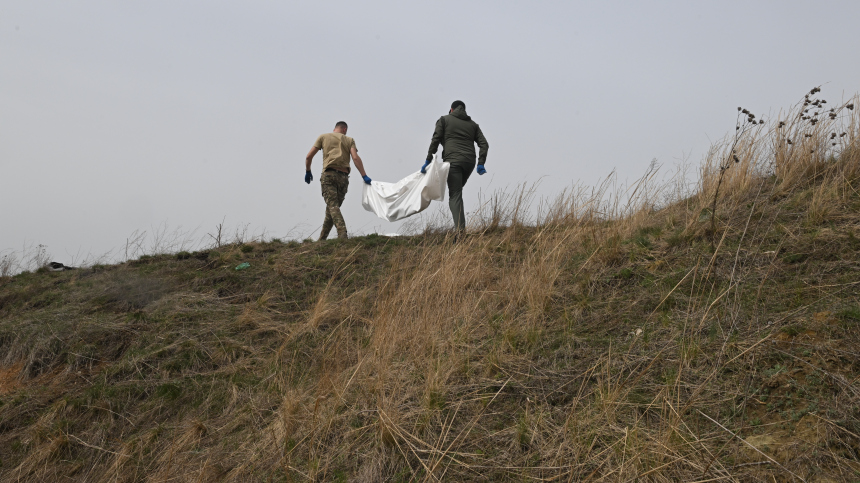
x=458, y=133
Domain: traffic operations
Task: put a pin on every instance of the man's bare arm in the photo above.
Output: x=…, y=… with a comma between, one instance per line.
x=313, y=152
x=356, y=159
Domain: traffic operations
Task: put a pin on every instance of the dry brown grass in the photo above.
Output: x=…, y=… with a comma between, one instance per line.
x=597, y=337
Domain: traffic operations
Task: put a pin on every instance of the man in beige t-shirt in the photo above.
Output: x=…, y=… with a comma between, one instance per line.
x=337, y=148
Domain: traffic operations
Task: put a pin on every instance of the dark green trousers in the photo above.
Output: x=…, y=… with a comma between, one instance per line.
x=457, y=177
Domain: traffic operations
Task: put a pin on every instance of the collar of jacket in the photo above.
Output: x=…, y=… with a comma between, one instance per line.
x=460, y=113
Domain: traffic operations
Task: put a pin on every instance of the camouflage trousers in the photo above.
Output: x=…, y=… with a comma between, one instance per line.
x=334, y=186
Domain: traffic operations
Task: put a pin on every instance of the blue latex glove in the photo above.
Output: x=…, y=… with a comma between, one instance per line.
x=424, y=168
x=366, y=179
x=481, y=169
x=308, y=177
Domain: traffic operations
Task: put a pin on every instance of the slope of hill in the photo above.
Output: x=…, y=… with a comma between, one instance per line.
x=636, y=338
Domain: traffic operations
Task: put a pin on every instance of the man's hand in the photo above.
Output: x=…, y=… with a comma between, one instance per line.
x=424, y=168
x=366, y=179
x=308, y=177
x=481, y=169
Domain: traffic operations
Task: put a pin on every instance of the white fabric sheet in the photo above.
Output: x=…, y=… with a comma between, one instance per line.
x=410, y=195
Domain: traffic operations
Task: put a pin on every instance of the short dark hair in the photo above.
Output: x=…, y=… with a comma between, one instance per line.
x=456, y=104
x=340, y=124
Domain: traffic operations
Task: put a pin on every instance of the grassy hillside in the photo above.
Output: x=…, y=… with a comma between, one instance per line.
x=631, y=336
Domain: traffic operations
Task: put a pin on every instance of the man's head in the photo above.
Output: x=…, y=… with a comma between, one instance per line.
x=456, y=104
x=340, y=127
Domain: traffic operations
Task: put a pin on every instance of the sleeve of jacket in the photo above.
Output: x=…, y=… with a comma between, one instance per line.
x=437, y=138
x=483, y=145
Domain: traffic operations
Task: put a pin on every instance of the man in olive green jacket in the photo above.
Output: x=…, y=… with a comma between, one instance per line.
x=458, y=133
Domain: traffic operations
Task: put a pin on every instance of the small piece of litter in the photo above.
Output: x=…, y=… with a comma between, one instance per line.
x=243, y=266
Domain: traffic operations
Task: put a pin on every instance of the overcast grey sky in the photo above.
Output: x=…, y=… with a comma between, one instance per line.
x=121, y=116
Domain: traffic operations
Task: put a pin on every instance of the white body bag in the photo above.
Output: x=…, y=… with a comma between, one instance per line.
x=410, y=195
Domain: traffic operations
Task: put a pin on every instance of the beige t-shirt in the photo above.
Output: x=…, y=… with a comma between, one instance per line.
x=335, y=147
